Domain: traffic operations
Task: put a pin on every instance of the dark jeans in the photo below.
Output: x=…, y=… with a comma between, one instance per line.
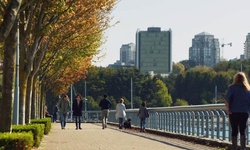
x=238, y=121
x=142, y=123
x=78, y=121
x=120, y=122
x=63, y=118
x=54, y=117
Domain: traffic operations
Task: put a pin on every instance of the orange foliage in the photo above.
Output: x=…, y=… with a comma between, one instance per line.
x=74, y=40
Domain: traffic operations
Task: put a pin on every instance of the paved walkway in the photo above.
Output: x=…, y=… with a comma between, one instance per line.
x=93, y=137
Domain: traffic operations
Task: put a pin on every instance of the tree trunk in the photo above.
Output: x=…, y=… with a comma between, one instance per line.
x=29, y=93
x=24, y=69
x=42, y=101
x=22, y=99
x=9, y=62
x=9, y=18
x=34, y=101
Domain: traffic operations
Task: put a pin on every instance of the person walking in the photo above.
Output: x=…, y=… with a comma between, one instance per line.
x=77, y=110
x=120, y=112
x=55, y=110
x=143, y=114
x=238, y=105
x=64, y=108
x=105, y=104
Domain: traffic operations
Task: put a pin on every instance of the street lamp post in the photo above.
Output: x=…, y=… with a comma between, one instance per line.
x=71, y=102
x=131, y=93
x=85, y=100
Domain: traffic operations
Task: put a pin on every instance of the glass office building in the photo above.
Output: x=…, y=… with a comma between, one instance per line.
x=154, y=51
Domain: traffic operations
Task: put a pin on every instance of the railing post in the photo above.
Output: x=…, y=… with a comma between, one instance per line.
x=167, y=121
x=189, y=122
x=172, y=120
x=212, y=124
x=178, y=121
x=193, y=122
x=207, y=123
x=217, y=124
x=198, y=123
x=224, y=125
x=182, y=122
x=202, y=122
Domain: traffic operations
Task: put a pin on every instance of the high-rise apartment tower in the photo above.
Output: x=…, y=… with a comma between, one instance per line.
x=127, y=54
x=205, y=50
x=247, y=47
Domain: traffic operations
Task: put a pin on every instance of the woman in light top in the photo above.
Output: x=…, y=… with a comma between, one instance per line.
x=120, y=112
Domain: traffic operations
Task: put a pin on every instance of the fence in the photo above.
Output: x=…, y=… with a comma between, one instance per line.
x=210, y=121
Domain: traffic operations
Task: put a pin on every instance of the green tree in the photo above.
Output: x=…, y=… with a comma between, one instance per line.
x=180, y=102
x=178, y=68
x=188, y=64
x=197, y=81
x=92, y=104
x=156, y=93
x=163, y=97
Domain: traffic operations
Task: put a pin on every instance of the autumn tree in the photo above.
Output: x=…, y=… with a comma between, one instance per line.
x=8, y=27
x=77, y=37
x=41, y=23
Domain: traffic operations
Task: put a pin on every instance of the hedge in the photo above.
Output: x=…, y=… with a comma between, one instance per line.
x=16, y=141
x=36, y=129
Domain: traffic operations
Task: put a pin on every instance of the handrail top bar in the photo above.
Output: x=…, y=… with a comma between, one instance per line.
x=186, y=108
x=179, y=108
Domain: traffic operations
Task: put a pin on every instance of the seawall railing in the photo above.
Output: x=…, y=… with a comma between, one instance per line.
x=210, y=121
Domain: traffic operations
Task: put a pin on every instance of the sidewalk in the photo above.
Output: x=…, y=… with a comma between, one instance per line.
x=93, y=137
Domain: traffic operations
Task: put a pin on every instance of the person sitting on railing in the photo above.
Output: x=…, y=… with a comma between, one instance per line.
x=47, y=115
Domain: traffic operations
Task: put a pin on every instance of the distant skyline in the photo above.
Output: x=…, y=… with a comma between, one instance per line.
x=227, y=20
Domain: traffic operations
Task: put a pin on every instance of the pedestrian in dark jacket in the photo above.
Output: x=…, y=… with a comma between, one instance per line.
x=55, y=110
x=105, y=104
x=143, y=114
x=238, y=108
x=77, y=110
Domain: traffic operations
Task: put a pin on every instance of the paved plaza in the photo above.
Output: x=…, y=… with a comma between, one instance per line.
x=93, y=137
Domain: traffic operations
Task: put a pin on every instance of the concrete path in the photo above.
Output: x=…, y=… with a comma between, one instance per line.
x=93, y=137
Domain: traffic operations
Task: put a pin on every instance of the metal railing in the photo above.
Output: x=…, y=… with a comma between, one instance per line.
x=210, y=121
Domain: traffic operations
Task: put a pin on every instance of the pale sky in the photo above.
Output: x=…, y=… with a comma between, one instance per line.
x=227, y=20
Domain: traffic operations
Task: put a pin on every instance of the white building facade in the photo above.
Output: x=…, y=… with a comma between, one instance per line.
x=127, y=54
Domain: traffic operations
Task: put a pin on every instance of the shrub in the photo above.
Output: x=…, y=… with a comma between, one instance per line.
x=45, y=121
x=18, y=141
x=36, y=129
